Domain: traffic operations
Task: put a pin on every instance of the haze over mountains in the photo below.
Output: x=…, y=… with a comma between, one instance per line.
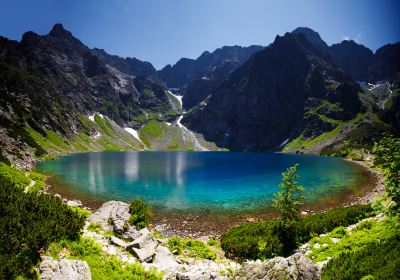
x=241, y=98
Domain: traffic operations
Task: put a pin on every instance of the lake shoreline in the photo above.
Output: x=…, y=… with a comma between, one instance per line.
x=197, y=225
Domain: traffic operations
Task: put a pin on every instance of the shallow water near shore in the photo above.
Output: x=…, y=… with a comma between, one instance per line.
x=198, y=181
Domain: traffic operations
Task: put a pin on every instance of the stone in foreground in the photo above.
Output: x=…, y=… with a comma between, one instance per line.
x=64, y=270
x=296, y=266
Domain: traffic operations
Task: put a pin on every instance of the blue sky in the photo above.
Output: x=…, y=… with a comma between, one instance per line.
x=162, y=31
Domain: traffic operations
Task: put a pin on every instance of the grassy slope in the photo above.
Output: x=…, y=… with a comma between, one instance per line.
x=300, y=143
x=112, y=138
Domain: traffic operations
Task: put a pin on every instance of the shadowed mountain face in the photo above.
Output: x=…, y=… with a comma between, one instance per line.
x=196, y=78
x=353, y=58
x=274, y=95
x=386, y=64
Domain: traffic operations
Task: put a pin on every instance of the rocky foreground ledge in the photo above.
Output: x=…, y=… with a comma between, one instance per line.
x=133, y=245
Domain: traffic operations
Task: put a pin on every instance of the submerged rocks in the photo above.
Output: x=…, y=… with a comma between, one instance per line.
x=296, y=266
x=64, y=269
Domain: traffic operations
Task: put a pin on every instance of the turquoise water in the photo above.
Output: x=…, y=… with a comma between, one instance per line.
x=198, y=180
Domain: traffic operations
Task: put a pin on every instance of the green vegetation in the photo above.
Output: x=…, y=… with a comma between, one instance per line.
x=105, y=125
x=387, y=152
x=153, y=129
x=140, y=213
x=16, y=178
x=366, y=232
x=28, y=223
x=289, y=198
x=21, y=179
x=300, y=143
x=268, y=239
x=191, y=248
x=102, y=266
x=371, y=250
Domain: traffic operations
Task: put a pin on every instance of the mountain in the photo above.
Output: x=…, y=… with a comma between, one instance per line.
x=85, y=79
x=130, y=65
x=197, y=77
x=386, y=63
x=314, y=38
x=50, y=84
x=353, y=58
x=290, y=88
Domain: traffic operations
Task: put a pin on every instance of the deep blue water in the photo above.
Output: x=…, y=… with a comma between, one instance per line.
x=198, y=180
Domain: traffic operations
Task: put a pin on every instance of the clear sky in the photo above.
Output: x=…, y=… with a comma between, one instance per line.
x=162, y=31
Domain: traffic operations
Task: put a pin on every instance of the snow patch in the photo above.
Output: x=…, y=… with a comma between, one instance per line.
x=97, y=135
x=179, y=97
x=133, y=132
x=91, y=117
x=191, y=135
x=284, y=142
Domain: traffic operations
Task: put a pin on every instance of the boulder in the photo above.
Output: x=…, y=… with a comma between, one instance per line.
x=143, y=247
x=74, y=203
x=117, y=242
x=164, y=260
x=64, y=269
x=114, y=215
x=144, y=240
x=143, y=255
x=296, y=266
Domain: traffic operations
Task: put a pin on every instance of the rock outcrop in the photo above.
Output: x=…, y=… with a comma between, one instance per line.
x=266, y=101
x=64, y=269
x=297, y=267
x=114, y=216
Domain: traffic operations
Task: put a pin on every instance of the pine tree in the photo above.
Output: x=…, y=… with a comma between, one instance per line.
x=289, y=198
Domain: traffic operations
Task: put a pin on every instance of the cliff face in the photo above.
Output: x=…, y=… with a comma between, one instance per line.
x=195, y=78
x=353, y=58
x=291, y=87
x=49, y=82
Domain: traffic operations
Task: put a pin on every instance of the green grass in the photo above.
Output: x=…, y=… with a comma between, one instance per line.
x=153, y=129
x=102, y=266
x=371, y=249
x=366, y=232
x=191, y=248
x=17, y=177
x=105, y=125
x=140, y=118
x=300, y=143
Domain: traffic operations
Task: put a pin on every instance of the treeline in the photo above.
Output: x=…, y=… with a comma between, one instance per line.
x=28, y=223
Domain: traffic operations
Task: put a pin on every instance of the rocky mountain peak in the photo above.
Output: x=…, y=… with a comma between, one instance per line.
x=313, y=37
x=59, y=31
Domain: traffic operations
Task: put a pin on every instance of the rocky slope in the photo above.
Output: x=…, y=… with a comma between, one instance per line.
x=50, y=84
x=289, y=88
x=195, y=78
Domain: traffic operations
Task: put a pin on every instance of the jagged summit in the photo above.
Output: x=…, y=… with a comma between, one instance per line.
x=313, y=37
x=59, y=31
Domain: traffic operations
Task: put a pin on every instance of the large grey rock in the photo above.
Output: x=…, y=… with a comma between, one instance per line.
x=164, y=260
x=143, y=255
x=114, y=215
x=296, y=267
x=64, y=270
x=143, y=247
x=117, y=242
